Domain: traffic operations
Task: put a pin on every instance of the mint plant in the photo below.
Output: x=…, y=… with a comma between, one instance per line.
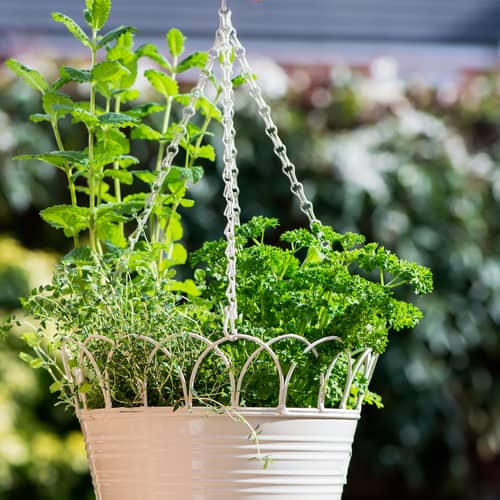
x=103, y=285
x=97, y=174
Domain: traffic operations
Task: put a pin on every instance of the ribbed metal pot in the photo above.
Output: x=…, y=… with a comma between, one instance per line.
x=159, y=454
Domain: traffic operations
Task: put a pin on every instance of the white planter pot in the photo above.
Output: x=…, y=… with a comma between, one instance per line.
x=158, y=454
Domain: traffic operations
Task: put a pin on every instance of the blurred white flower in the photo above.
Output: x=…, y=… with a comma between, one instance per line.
x=384, y=86
x=271, y=77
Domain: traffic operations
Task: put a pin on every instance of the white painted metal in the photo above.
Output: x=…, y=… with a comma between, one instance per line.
x=158, y=454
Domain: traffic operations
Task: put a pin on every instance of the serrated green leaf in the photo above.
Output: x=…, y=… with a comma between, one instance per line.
x=196, y=174
x=162, y=83
x=108, y=71
x=195, y=60
x=175, y=256
x=126, y=41
x=145, y=132
x=151, y=52
x=122, y=175
x=39, y=118
x=112, y=233
x=52, y=102
x=30, y=76
x=104, y=88
x=60, y=82
x=123, y=160
x=79, y=256
x=114, y=35
x=145, y=176
x=208, y=109
x=57, y=158
x=187, y=203
x=207, y=151
x=111, y=142
x=118, y=120
x=191, y=175
x=146, y=110
x=69, y=74
x=126, y=95
x=175, y=41
x=80, y=115
x=72, y=220
x=73, y=27
x=100, y=10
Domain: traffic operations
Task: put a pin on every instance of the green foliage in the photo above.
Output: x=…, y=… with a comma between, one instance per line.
x=323, y=293
x=30, y=76
x=162, y=83
x=98, y=12
x=175, y=40
x=114, y=35
x=73, y=28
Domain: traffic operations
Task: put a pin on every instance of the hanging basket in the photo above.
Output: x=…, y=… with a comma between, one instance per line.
x=159, y=454
x=231, y=451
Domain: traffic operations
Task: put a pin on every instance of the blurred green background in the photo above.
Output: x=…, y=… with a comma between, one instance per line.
x=414, y=167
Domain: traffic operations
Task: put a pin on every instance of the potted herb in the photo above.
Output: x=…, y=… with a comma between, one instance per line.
x=170, y=378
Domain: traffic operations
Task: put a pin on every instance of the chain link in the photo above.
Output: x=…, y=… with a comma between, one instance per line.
x=230, y=173
x=173, y=148
x=287, y=167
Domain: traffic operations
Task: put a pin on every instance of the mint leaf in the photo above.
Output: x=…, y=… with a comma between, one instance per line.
x=162, y=83
x=119, y=120
x=175, y=41
x=30, y=76
x=150, y=51
x=195, y=60
x=57, y=158
x=72, y=220
x=114, y=35
x=108, y=71
x=72, y=27
x=68, y=74
x=99, y=10
x=52, y=102
x=146, y=133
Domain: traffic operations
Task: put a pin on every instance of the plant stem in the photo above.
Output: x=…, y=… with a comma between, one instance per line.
x=91, y=178
x=164, y=129
x=194, y=156
x=69, y=174
x=116, y=166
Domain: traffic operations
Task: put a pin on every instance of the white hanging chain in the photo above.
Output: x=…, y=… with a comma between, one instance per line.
x=230, y=173
x=287, y=167
x=227, y=48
